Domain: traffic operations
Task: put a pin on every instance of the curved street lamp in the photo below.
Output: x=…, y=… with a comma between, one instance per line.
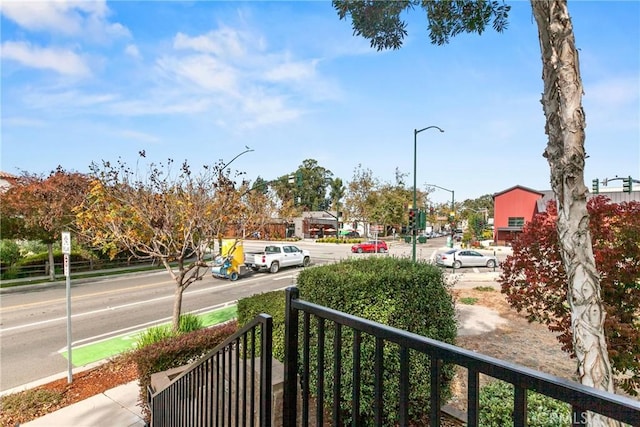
x=248, y=150
x=415, y=149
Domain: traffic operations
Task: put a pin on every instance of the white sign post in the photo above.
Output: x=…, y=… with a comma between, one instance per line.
x=66, y=250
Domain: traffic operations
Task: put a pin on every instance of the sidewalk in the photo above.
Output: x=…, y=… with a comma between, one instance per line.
x=115, y=407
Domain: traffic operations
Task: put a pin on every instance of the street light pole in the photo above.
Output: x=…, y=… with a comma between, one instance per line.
x=415, y=197
x=248, y=150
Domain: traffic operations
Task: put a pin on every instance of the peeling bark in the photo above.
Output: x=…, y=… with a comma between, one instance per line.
x=562, y=105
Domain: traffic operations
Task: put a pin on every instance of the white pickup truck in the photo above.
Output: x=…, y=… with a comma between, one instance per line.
x=276, y=256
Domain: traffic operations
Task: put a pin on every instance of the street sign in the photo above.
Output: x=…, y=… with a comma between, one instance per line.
x=66, y=243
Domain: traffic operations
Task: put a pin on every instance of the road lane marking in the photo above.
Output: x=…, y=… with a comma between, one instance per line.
x=133, y=304
x=80, y=297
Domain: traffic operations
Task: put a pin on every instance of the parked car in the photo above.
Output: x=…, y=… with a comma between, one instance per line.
x=370, y=246
x=458, y=258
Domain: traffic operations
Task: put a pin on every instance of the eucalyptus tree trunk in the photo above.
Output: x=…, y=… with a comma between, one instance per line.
x=562, y=104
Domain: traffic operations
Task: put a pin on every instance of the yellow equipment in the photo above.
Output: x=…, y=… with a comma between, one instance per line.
x=230, y=263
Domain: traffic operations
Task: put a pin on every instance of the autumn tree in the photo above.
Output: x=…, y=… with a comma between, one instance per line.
x=41, y=208
x=381, y=23
x=392, y=201
x=534, y=280
x=258, y=208
x=171, y=216
x=360, y=198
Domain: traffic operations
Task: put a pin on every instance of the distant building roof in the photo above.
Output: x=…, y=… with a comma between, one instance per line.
x=516, y=187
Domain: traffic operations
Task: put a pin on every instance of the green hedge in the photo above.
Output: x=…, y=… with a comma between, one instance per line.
x=271, y=303
x=496, y=408
x=392, y=291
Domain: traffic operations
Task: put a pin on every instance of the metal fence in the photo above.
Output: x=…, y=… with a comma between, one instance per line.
x=222, y=388
x=81, y=266
x=297, y=369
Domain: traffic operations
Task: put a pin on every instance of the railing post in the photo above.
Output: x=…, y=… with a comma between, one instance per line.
x=266, y=379
x=289, y=410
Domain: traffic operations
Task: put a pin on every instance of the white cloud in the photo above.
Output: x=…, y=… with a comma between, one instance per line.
x=204, y=71
x=63, y=61
x=264, y=110
x=292, y=71
x=87, y=18
x=133, y=51
x=224, y=42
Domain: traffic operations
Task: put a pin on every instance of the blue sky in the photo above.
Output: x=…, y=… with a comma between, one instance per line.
x=96, y=80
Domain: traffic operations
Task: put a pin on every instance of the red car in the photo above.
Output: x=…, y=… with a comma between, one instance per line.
x=370, y=246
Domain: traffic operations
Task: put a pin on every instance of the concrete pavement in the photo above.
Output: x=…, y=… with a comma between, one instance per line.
x=115, y=407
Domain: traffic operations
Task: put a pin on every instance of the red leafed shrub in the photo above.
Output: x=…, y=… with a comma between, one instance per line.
x=534, y=280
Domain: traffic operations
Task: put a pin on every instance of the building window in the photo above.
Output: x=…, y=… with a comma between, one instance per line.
x=516, y=221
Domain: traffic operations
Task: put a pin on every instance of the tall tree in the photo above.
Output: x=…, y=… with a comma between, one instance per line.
x=312, y=185
x=390, y=207
x=173, y=217
x=40, y=208
x=360, y=194
x=380, y=22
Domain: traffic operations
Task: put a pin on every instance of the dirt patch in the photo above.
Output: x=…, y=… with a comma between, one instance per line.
x=516, y=340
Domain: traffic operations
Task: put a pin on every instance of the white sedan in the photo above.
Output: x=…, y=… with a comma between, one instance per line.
x=458, y=258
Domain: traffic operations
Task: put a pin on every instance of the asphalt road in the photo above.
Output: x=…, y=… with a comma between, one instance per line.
x=33, y=320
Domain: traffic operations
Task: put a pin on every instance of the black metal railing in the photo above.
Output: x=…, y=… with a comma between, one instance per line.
x=581, y=398
x=221, y=389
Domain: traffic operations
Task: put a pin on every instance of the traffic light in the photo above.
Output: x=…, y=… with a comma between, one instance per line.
x=422, y=220
x=595, y=186
x=626, y=185
x=412, y=219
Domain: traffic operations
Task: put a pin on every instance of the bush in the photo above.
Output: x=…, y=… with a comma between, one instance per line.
x=153, y=335
x=188, y=323
x=174, y=352
x=396, y=292
x=496, y=407
x=35, y=264
x=9, y=252
x=271, y=303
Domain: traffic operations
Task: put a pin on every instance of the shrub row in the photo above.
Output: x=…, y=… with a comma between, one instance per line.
x=392, y=291
x=338, y=240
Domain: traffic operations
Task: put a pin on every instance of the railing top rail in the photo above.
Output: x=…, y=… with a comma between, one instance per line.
x=571, y=392
x=260, y=319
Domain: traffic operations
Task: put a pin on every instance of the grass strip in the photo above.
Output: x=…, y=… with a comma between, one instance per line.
x=91, y=353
